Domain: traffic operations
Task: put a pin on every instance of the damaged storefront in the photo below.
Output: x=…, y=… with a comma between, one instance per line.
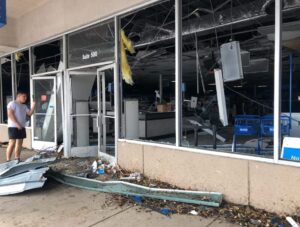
x=201, y=94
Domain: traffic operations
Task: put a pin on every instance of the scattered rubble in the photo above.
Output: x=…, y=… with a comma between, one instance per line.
x=237, y=214
x=133, y=177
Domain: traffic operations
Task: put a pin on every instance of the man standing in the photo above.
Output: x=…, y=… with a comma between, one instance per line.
x=17, y=112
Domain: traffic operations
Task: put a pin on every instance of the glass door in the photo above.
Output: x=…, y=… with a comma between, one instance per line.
x=106, y=112
x=44, y=118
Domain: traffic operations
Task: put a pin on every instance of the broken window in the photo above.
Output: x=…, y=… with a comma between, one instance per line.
x=227, y=76
x=47, y=57
x=149, y=76
x=22, y=72
x=290, y=92
x=6, y=83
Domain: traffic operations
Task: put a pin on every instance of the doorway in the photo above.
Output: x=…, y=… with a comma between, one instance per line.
x=44, y=133
x=91, y=113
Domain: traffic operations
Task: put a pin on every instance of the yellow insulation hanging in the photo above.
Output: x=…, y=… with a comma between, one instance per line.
x=125, y=67
x=18, y=56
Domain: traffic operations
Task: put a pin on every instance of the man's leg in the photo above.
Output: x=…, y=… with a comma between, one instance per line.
x=10, y=149
x=19, y=144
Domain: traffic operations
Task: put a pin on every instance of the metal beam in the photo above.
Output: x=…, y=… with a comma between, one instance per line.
x=13, y=76
x=178, y=71
x=1, y=94
x=213, y=199
x=117, y=86
x=30, y=60
x=160, y=87
x=277, y=79
x=63, y=96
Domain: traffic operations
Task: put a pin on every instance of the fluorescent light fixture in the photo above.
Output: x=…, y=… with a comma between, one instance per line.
x=221, y=97
x=238, y=86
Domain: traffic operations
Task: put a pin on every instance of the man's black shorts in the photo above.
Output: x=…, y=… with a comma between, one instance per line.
x=15, y=133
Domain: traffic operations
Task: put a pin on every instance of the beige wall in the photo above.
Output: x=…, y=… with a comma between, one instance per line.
x=58, y=16
x=272, y=187
x=8, y=33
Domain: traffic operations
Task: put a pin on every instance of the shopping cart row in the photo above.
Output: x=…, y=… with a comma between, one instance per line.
x=259, y=127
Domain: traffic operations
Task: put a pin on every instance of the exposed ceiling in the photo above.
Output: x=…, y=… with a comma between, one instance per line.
x=17, y=8
x=153, y=32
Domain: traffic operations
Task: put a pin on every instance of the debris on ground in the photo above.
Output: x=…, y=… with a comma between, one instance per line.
x=86, y=167
x=16, y=176
x=236, y=214
x=133, y=177
x=292, y=222
x=193, y=212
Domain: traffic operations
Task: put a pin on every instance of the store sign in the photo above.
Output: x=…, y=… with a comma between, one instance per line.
x=2, y=13
x=87, y=56
x=291, y=149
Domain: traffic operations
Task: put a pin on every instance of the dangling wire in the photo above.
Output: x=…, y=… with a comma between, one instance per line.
x=214, y=20
x=231, y=34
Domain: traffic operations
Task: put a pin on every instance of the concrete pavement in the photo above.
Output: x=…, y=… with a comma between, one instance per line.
x=58, y=205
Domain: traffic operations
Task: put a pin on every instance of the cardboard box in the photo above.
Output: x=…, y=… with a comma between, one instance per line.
x=164, y=107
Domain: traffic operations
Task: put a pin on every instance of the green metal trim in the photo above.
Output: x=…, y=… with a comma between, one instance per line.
x=213, y=199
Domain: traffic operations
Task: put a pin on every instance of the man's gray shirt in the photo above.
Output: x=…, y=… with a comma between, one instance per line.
x=20, y=112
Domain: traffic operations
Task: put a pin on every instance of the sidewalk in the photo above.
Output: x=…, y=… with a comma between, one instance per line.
x=60, y=205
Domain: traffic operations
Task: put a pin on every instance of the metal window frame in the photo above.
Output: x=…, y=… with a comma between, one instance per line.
x=13, y=76
x=178, y=71
x=277, y=79
x=101, y=89
x=118, y=95
x=45, y=144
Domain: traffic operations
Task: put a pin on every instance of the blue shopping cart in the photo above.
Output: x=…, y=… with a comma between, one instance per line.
x=267, y=125
x=246, y=125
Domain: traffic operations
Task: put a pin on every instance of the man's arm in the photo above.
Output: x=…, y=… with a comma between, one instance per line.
x=12, y=117
x=30, y=112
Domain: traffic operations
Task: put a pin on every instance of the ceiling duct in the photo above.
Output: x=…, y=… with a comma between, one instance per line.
x=290, y=34
x=245, y=55
x=260, y=65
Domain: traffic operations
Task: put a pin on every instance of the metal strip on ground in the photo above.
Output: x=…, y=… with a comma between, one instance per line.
x=213, y=199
